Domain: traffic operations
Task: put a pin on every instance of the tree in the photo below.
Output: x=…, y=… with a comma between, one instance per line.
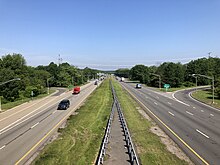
x=171, y=73
x=141, y=73
x=122, y=72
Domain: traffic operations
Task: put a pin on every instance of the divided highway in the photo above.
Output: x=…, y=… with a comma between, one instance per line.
x=194, y=126
x=25, y=128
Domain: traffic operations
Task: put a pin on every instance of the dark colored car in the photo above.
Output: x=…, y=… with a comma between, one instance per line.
x=64, y=104
x=138, y=86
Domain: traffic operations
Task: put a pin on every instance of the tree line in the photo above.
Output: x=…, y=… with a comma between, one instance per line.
x=176, y=74
x=37, y=79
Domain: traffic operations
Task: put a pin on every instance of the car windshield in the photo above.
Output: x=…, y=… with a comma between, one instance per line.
x=64, y=101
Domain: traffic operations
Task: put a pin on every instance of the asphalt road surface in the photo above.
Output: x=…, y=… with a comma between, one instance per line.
x=195, y=127
x=25, y=128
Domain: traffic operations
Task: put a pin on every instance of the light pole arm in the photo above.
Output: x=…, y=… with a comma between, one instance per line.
x=10, y=81
x=213, y=84
x=5, y=83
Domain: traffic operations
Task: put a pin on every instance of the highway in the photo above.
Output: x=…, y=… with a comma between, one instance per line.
x=194, y=126
x=24, y=129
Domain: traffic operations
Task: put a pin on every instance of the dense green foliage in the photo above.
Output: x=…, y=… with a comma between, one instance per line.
x=36, y=79
x=122, y=72
x=177, y=74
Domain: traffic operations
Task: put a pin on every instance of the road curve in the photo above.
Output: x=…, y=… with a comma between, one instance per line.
x=192, y=125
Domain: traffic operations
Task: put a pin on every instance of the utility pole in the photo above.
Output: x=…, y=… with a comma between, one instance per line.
x=59, y=60
x=213, y=84
x=159, y=79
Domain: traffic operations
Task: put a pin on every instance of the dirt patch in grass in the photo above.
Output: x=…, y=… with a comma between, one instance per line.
x=166, y=140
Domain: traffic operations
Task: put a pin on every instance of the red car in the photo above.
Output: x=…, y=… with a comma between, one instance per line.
x=76, y=90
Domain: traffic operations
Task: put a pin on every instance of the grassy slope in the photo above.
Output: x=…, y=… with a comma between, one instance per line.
x=149, y=147
x=206, y=97
x=80, y=141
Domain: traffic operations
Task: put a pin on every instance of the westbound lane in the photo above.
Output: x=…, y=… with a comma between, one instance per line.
x=195, y=129
x=18, y=114
x=22, y=140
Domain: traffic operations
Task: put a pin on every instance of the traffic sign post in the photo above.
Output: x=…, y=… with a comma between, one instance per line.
x=32, y=94
x=166, y=86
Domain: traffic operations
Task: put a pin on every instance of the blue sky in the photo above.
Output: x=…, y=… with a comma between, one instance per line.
x=110, y=34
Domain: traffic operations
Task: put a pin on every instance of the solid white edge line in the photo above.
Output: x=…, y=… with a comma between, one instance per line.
x=35, y=125
x=2, y=147
x=202, y=133
x=190, y=95
x=189, y=113
x=171, y=113
x=179, y=100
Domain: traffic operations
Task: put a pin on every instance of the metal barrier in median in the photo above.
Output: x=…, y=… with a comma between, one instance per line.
x=130, y=146
x=106, y=137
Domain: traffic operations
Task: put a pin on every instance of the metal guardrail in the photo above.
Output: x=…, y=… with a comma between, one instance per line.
x=102, y=152
x=133, y=156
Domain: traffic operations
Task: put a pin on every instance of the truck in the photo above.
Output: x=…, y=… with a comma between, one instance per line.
x=76, y=90
x=122, y=79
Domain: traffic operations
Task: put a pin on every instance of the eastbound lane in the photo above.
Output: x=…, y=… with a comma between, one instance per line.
x=23, y=138
x=199, y=132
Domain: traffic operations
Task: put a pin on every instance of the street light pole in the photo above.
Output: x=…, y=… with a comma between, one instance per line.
x=48, y=88
x=213, y=84
x=193, y=75
x=159, y=79
x=3, y=84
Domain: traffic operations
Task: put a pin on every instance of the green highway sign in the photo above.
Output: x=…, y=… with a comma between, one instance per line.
x=166, y=85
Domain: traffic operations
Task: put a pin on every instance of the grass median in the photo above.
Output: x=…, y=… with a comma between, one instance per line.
x=150, y=149
x=80, y=140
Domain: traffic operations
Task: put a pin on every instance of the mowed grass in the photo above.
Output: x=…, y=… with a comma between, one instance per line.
x=149, y=147
x=80, y=140
x=205, y=96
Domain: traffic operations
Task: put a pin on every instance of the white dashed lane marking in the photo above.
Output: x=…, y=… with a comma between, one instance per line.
x=171, y=113
x=34, y=125
x=189, y=113
x=202, y=133
x=2, y=147
x=155, y=103
x=202, y=111
x=169, y=103
x=211, y=115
